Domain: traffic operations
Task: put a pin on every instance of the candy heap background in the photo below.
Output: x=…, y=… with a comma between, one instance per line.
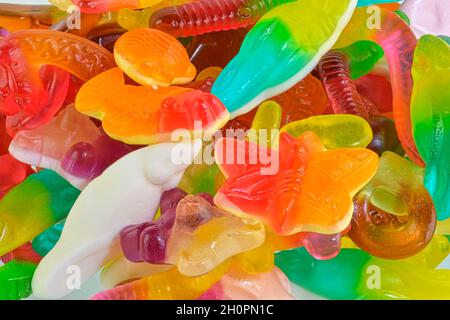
x=358, y=207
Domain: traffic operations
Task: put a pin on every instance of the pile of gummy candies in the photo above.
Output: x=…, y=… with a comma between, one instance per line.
x=356, y=94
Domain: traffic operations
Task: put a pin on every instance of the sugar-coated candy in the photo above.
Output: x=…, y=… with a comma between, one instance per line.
x=167, y=285
x=280, y=50
x=15, y=280
x=204, y=16
x=145, y=115
x=277, y=198
x=239, y=285
x=428, y=17
x=430, y=111
x=90, y=235
x=193, y=235
x=347, y=276
x=41, y=200
x=398, y=43
x=31, y=96
x=394, y=215
x=151, y=57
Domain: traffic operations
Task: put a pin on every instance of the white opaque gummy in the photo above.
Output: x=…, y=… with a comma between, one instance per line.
x=127, y=193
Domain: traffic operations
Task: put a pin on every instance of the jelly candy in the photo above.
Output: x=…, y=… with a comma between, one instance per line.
x=151, y=57
x=334, y=131
x=205, y=16
x=384, y=136
x=91, y=240
x=363, y=3
x=377, y=89
x=347, y=275
x=216, y=48
x=201, y=178
x=398, y=43
x=144, y=115
x=167, y=285
x=239, y=285
x=12, y=172
x=427, y=17
x=394, y=216
x=106, y=35
x=30, y=96
x=195, y=236
x=277, y=198
x=15, y=280
x=100, y=6
x=50, y=198
x=279, y=51
x=46, y=145
x=430, y=116
x=45, y=241
x=266, y=124
x=121, y=270
x=305, y=99
x=24, y=253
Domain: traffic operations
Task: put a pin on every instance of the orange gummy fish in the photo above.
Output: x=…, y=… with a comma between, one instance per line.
x=145, y=115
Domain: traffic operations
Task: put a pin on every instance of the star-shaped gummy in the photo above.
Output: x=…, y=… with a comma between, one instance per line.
x=301, y=187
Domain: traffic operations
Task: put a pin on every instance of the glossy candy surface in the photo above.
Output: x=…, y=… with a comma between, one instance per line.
x=274, y=194
x=144, y=115
x=15, y=280
x=279, y=51
x=31, y=96
x=430, y=111
x=394, y=216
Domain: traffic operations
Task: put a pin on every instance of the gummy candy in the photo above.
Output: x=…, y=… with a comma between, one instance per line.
x=431, y=119
x=347, y=276
x=100, y=6
x=203, y=16
x=12, y=172
x=334, y=131
x=195, y=236
x=398, y=43
x=280, y=50
x=384, y=136
x=394, y=216
x=144, y=115
x=239, y=285
x=377, y=89
x=106, y=35
x=266, y=123
x=45, y=241
x=215, y=49
x=201, y=178
x=278, y=200
x=30, y=96
x=15, y=280
x=91, y=240
x=50, y=198
x=167, y=285
x=151, y=57
x=363, y=3
x=427, y=17
x=24, y=253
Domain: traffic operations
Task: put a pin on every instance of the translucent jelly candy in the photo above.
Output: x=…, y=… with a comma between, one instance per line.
x=362, y=3
x=106, y=35
x=398, y=43
x=201, y=178
x=394, y=216
x=49, y=199
x=376, y=88
x=100, y=6
x=197, y=236
x=46, y=145
x=266, y=124
x=12, y=172
x=239, y=285
x=279, y=51
x=45, y=241
x=15, y=280
x=31, y=96
x=216, y=48
x=430, y=111
x=204, y=16
x=151, y=57
x=334, y=131
x=106, y=206
x=384, y=136
x=144, y=115
x=347, y=276
x=24, y=253
x=167, y=285
x=428, y=17
x=278, y=195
